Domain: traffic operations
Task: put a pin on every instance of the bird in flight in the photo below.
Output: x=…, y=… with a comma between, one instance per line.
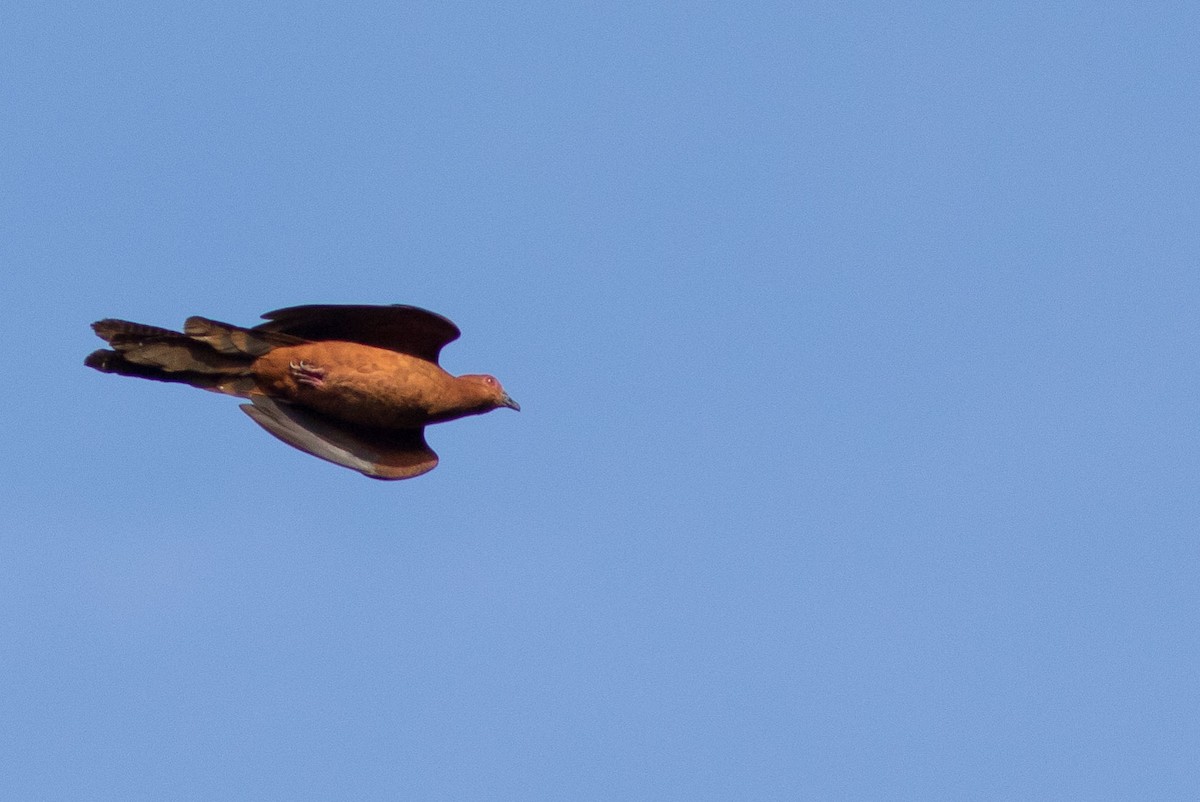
x=355, y=385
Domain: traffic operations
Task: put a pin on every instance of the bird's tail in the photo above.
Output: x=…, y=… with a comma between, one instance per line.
x=206, y=354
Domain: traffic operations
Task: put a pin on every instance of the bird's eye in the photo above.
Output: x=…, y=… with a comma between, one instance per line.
x=490, y=381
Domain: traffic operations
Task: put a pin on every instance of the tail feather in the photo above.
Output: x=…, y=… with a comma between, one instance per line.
x=111, y=328
x=149, y=352
x=226, y=338
x=107, y=361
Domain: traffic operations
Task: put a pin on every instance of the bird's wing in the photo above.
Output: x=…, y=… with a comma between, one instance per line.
x=407, y=329
x=399, y=454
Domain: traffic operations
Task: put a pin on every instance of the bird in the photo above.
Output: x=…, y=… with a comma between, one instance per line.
x=353, y=384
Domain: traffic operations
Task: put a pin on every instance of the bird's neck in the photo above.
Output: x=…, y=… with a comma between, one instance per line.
x=462, y=397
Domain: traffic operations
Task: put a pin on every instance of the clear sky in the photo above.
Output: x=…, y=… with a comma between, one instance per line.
x=857, y=347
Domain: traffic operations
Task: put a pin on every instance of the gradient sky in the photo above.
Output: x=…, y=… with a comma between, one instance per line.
x=857, y=348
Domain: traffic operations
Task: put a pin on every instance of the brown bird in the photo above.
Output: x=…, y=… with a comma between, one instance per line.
x=355, y=385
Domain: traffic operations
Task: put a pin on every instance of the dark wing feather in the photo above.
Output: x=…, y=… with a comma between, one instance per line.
x=398, y=454
x=407, y=329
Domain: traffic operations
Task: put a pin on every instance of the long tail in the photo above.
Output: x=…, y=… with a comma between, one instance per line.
x=206, y=354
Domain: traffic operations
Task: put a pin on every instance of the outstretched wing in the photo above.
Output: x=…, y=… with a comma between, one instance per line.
x=399, y=454
x=407, y=329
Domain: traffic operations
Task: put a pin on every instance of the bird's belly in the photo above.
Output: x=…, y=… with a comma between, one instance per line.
x=353, y=383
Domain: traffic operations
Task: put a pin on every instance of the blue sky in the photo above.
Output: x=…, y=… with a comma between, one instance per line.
x=856, y=345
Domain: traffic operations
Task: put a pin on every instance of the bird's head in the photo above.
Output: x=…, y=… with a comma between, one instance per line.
x=489, y=391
